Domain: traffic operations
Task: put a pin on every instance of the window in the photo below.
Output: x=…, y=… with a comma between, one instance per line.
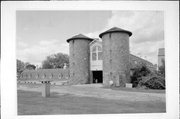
x=37, y=76
x=94, y=56
x=44, y=76
x=30, y=75
x=96, y=53
x=60, y=76
x=94, y=49
x=99, y=49
x=51, y=76
x=99, y=55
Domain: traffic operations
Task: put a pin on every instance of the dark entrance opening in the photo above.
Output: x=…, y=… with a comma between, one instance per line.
x=97, y=77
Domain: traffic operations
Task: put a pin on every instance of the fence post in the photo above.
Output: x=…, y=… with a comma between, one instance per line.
x=46, y=88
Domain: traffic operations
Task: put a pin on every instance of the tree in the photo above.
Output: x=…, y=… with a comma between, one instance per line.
x=47, y=65
x=30, y=67
x=145, y=78
x=55, y=61
x=20, y=67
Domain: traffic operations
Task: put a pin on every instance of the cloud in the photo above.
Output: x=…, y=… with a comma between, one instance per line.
x=21, y=45
x=147, y=28
x=147, y=50
x=37, y=53
x=95, y=34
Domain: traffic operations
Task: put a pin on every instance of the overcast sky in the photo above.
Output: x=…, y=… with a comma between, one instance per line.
x=42, y=33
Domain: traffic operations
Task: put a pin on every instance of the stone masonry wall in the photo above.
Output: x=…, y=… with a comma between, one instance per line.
x=116, y=66
x=79, y=61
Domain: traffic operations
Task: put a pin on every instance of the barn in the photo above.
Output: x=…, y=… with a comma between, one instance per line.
x=95, y=60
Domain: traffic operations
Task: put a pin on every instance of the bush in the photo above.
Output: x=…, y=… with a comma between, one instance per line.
x=152, y=81
x=143, y=77
x=138, y=72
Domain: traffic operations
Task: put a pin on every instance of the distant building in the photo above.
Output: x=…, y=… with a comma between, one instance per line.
x=161, y=56
x=42, y=74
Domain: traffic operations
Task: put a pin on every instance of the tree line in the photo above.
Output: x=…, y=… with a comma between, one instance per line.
x=54, y=61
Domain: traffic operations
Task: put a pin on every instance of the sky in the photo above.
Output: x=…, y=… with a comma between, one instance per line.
x=43, y=33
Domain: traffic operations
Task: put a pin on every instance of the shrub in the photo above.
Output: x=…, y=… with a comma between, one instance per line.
x=138, y=72
x=152, y=81
x=143, y=77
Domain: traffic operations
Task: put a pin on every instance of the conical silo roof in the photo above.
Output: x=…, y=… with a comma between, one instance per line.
x=79, y=36
x=115, y=29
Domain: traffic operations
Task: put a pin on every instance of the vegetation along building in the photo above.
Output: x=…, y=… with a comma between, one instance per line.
x=94, y=60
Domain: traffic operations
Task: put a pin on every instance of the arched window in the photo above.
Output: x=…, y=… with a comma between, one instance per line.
x=94, y=49
x=99, y=53
x=30, y=75
x=60, y=76
x=96, y=53
x=51, y=76
x=37, y=76
x=44, y=76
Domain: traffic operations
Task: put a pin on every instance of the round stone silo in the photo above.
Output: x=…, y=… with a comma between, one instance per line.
x=79, y=51
x=116, y=62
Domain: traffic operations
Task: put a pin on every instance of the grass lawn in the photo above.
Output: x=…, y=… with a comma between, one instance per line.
x=31, y=103
x=138, y=90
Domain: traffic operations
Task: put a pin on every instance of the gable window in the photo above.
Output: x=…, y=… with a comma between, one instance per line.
x=96, y=53
x=94, y=56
